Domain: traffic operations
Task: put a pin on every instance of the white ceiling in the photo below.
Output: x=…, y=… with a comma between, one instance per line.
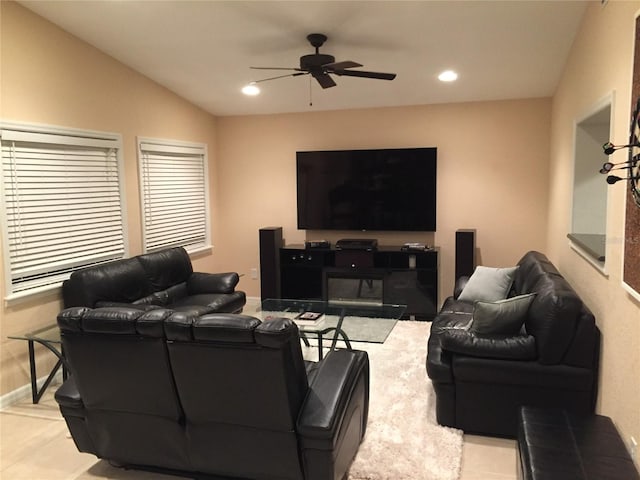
x=202, y=50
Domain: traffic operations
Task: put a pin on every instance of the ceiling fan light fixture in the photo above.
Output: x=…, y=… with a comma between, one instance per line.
x=320, y=66
x=251, y=89
x=448, y=76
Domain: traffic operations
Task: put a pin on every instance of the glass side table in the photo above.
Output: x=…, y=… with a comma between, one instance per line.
x=49, y=337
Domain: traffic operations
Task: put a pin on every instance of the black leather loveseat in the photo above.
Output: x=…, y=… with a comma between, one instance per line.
x=220, y=395
x=159, y=279
x=481, y=379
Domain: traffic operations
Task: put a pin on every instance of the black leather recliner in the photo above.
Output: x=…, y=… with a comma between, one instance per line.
x=220, y=394
x=159, y=279
x=482, y=380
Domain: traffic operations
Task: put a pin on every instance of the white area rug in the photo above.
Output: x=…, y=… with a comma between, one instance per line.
x=403, y=439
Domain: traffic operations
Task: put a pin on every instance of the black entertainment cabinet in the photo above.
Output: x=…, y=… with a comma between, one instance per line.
x=387, y=274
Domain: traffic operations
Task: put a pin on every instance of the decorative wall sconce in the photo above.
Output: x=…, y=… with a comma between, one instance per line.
x=632, y=164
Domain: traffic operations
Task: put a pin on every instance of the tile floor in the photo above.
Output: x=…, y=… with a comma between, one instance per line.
x=35, y=445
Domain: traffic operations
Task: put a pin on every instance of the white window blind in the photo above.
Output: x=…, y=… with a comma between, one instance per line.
x=174, y=191
x=62, y=207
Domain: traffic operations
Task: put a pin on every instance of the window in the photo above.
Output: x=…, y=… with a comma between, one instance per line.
x=589, y=214
x=61, y=204
x=175, y=196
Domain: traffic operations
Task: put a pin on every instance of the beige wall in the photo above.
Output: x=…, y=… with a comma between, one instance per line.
x=50, y=77
x=492, y=175
x=600, y=62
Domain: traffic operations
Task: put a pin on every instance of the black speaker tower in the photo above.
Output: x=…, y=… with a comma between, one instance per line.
x=465, y=252
x=270, y=243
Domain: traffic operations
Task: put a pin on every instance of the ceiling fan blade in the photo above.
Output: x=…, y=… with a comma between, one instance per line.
x=280, y=76
x=324, y=80
x=365, y=74
x=341, y=65
x=277, y=68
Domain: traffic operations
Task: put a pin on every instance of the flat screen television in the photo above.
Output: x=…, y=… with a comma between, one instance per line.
x=367, y=190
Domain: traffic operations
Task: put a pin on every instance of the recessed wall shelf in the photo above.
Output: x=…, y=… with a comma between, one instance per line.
x=592, y=244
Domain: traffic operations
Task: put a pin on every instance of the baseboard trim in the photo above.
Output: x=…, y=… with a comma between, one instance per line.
x=24, y=391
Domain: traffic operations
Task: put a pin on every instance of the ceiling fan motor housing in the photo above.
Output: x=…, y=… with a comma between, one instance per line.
x=315, y=60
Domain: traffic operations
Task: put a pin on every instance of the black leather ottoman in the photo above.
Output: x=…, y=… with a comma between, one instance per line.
x=557, y=445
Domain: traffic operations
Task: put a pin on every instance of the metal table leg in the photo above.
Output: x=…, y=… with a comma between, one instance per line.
x=338, y=333
x=36, y=394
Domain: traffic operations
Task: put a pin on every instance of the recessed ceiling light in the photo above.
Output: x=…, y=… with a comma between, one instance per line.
x=448, y=76
x=251, y=89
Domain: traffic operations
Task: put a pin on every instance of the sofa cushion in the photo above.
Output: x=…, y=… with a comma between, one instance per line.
x=166, y=267
x=517, y=347
x=173, y=294
x=488, y=284
x=503, y=317
x=114, y=320
x=556, y=383
x=119, y=281
x=220, y=302
x=227, y=328
x=212, y=282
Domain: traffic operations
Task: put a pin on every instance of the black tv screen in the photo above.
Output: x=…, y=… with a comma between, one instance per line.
x=387, y=190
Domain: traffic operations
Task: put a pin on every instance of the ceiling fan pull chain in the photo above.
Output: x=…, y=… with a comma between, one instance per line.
x=310, y=93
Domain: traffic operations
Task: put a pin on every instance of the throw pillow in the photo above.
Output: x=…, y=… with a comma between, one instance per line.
x=488, y=284
x=504, y=317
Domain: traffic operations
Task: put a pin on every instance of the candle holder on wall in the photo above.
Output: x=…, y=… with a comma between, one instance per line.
x=632, y=164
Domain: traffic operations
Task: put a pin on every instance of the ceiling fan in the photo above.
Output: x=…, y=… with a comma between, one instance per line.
x=320, y=66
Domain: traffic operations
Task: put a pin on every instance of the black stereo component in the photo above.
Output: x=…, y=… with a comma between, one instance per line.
x=317, y=244
x=369, y=244
x=465, y=252
x=414, y=246
x=354, y=258
x=270, y=243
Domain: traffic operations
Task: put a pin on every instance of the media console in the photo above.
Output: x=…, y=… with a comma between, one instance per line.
x=387, y=274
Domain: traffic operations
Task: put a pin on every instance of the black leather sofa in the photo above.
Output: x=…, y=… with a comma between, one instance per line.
x=480, y=380
x=159, y=279
x=212, y=396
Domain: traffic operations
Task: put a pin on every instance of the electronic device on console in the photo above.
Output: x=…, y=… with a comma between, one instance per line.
x=317, y=244
x=415, y=246
x=368, y=244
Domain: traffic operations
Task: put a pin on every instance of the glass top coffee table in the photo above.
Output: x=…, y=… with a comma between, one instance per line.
x=349, y=322
x=49, y=337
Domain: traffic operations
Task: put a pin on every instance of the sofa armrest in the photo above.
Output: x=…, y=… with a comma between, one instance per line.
x=68, y=395
x=516, y=347
x=460, y=284
x=199, y=283
x=73, y=411
x=332, y=392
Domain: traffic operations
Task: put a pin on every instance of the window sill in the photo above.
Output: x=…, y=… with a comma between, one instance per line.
x=201, y=251
x=35, y=294
x=593, y=244
x=591, y=247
